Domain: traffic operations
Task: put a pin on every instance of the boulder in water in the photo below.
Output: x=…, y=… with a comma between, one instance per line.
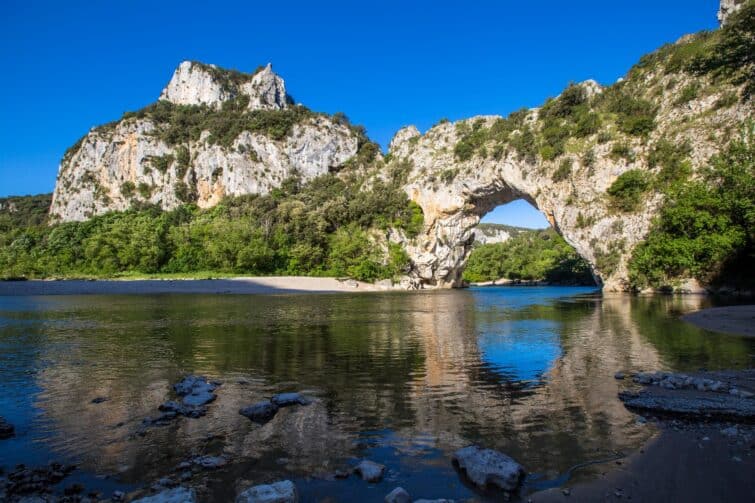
x=488, y=467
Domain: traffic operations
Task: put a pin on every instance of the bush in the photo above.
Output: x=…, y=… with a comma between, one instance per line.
x=627, y=190
x=705, y=228
x=564, y=171
x=672, y=158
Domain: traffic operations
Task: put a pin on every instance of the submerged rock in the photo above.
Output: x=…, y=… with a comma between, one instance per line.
x=260, y=412
x=283, y=491
x=398, y=495
x=288, y=399
x=175, y=495
x=370, y=471
x=6, y=429
x=488, y=467
x=209, y=462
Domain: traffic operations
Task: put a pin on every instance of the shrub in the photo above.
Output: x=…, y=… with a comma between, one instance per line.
x=688, y=94
x=672, y=158
x=564, y=170
x=627, y=190
x=622, y=150
x=127, y=189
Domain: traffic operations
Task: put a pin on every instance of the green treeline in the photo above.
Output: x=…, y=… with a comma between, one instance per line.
x=531, y=256
x=327, y=227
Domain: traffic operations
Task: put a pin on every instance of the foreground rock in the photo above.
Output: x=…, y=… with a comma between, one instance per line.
x=194, y=394
x=709, y=395
x=263, y=411
x=25, y=481
x=6, y=429
x=277, y=492
x=175, y=495
x=398, y=495
x=370, y=471
x=486, y=467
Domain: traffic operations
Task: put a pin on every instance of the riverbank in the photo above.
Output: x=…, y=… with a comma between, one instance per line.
x=239, y=285
x=703, y=450
x=736, y=320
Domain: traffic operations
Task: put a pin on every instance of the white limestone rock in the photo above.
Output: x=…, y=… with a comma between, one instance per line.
x=727, y=8
x=199, y=84
x=283, y=491
x=488, y=467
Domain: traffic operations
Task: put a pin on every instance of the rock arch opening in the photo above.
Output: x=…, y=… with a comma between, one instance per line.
x=514, y=243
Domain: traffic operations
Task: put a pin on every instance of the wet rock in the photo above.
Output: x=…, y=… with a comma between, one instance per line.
x=260, y=412
x=341, y=474
x=195, y=390
x=398, y=495
x=370, y=471
x=26, y=481
x=700, y=405
x=619, y=375
x=100, y=399
x=209, y=462
x=731, y=431
x=118, y=496
x=283, y=491
x=6, y=429
x=175, y=495
x=288, y=399
x=442, y=500
x=488, y=467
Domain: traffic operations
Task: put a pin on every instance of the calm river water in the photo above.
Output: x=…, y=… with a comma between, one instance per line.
x=400, y=378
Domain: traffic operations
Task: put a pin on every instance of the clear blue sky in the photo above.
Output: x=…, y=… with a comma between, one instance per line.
x=68, y=66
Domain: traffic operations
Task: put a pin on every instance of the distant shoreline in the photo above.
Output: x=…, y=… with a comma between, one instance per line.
x=736, y=320
x=235, y=285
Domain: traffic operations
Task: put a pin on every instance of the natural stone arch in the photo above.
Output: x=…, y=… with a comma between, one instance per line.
x=454, y=195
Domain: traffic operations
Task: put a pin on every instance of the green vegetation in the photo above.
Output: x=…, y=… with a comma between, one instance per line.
x=627, y=190
x=706, y=228
x=326, y=227
x=23, y=211
x=531, y=256
x=726, y=55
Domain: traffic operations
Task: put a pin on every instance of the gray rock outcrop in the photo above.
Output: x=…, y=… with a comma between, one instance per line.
x=283, y=491
x=487, y=467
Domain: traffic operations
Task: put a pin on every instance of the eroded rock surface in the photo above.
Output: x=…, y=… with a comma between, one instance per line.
x=727, y=395
x=277, y=492
x=486, y=467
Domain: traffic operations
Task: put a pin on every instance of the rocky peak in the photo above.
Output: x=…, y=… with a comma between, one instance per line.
x=402, y=136
x=197, y=84
x=727, y=8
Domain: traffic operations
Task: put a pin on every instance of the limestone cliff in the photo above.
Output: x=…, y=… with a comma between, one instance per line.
x=184, y=147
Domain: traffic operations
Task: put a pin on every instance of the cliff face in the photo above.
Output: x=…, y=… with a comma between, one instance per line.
x=597, y=161
x=181, y=150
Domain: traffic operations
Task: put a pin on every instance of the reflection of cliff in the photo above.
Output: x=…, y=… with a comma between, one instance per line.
x=407, y=363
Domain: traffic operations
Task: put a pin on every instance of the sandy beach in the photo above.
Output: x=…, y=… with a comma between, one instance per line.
x=241, y=285
x=737, y=320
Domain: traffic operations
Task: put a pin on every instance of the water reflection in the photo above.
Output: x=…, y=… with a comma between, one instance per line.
x=405, y=378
